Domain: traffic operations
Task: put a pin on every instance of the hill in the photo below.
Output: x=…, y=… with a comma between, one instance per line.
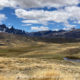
x=14, y=40
x=13, y=45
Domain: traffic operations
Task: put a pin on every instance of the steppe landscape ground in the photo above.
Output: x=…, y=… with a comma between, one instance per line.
x=38, y=61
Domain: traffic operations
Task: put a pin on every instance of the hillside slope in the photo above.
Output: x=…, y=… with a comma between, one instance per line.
x=12, y=45
x=13, y=40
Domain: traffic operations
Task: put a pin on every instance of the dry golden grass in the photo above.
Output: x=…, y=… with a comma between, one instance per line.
x=7, y=78
x=47, y=75
x=37, y=69
x=41, y=62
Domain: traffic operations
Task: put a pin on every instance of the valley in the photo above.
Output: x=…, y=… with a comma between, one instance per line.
x=25, y=59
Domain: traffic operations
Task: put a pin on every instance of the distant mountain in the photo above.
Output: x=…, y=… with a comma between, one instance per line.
x=74, y=33
x=49, y=36
x=4, y=28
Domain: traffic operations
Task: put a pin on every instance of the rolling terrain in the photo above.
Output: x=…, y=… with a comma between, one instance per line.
x=22, y=58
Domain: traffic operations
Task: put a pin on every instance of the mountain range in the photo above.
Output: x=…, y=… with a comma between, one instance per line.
x=73, y=33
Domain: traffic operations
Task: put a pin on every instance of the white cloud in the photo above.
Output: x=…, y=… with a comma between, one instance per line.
x=34, y=14
x=58, y=16
x=30, y=21
x=74, y=11
x=37, y=3
x=2, y=18
x=68, y=26
x=41, y=16
x=55, y=29
x=78, y=22
x=26, y=24
x=8, y=3
x=42, y=28
x=71, y=11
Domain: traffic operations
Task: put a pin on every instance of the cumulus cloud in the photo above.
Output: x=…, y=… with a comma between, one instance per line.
x=71, y=11
x=34, y=14
x=68, y=26
x=59, y=16
x=2, y=18
x=42, y=3
x=29, y=24
x=37, y=3
x=30, y=21
x=74, y=11
x=7, y=3
x=41, y=28
x=42, y=16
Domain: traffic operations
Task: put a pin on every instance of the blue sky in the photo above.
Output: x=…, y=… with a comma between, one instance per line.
x=40, y=15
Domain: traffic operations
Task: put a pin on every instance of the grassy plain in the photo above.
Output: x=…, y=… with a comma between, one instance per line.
x=38, y=61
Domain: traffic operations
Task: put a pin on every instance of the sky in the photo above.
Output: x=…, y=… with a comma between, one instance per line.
x=40, y=15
